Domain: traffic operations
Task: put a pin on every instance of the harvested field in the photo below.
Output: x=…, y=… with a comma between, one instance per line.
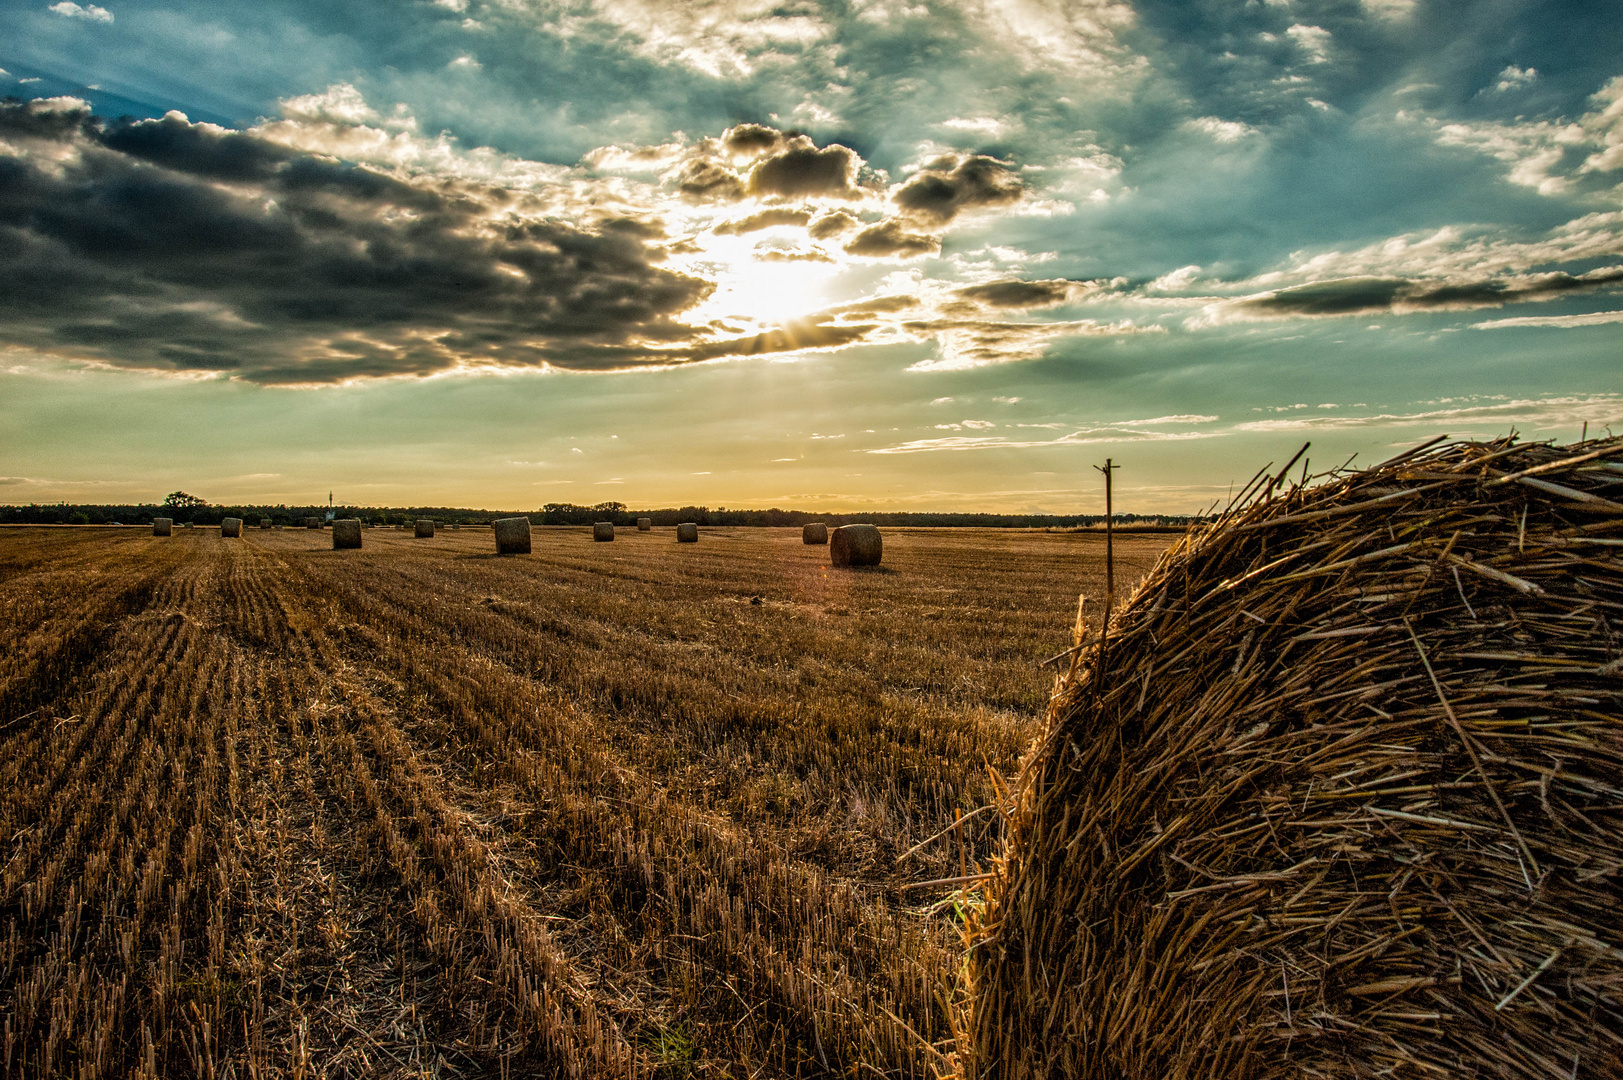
x=416, y=810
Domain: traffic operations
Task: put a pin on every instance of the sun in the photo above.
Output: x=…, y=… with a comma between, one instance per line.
x=760, y=285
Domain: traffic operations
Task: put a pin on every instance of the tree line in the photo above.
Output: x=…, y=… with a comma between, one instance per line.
x=189, y=508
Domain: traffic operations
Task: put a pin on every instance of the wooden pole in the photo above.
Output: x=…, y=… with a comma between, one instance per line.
x=1110, y=544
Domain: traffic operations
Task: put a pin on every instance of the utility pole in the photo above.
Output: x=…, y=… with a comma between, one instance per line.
x=1110, y=548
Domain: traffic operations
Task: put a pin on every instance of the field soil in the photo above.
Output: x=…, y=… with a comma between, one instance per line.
x=640, y=808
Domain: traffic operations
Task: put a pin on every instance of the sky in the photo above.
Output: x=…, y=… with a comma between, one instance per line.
x=831, y=255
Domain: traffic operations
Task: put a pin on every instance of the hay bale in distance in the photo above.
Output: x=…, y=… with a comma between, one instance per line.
x=1339, y=798
x=230, y=526
x=425, y=528
x=855, y=545
x=814, y=532
x=603, y=530
x=188, y=524
x=163, y=526
x=512, y=536
x=645, y=524
x=346, y=533
x=687, y=532
x=312, y=523
x=264, y=523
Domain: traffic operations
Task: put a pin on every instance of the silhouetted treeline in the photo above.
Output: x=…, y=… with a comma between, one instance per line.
x=551, y=514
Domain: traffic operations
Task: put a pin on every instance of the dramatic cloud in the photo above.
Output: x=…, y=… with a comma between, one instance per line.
x=169, y=245
x=949, y=185
x=891, y=238
x=766, y=219
x=1369, y=295
x=800, y=170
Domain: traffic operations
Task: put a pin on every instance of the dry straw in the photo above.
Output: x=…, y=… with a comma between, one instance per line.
x=645, y=524
x=687, y=533
x=230, y=526
x=312, y=523
x=814, y=532
x=855, y=545
x=512, y=535
x=1339, y=795
x=264, y=523
x=162, y=526
x=346, y=533
x=603, y=530
x=425, y=528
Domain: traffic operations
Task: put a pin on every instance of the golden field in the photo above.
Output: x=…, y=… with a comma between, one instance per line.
x=640, y=808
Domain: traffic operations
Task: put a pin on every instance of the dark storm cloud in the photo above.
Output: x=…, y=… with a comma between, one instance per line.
x=948, y=185
x=751, y=139
x=801, y=170
x=1373, y=295
x=831, y=224
x=1020, y=294
x=890, y=238
x=766, y=219
x=166, y=245
x=705, y=180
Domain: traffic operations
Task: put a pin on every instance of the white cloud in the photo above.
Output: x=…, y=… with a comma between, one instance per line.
x=1390, y=10
x=1084, y=437
x=1514, y=78
x=90, y=12
x=1223, y=131
x=1593, y=318
x=1174, y=280
x=1179, y=418
x=1314, y=41
x=722, y=38
x=465, y=63
x=1474, y=414
x=1548, y=155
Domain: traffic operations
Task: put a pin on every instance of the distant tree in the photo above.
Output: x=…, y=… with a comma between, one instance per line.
x=179, y=500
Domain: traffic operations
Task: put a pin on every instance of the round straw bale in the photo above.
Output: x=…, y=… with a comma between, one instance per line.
x=603, y=530
x=687, y=533
x=512, y=536
x=1338, y=796
x=162, y=526
x=346, y=533
x=189, y=524
x=425, y=528
x=814, y=532
x=645, y=524
x=230, y=526
x=312, y=523
x=264, y=523
x=855, y=545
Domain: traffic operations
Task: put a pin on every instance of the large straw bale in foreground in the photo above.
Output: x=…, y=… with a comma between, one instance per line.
x=512, y=535
x=346, y=533
x=603, y=530
x=855, y=545
x=814, y=532
x=230, y=526
x=425, y=529
x=163, y=526
x=687, y=532
x=1342, y=798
